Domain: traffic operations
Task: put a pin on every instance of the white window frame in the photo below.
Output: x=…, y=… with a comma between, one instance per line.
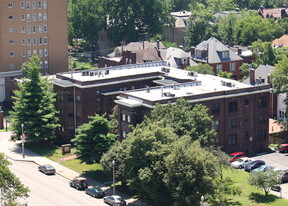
x=40, y=17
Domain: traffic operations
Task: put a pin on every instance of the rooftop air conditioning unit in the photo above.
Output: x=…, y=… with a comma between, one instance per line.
x=228, y=84
x=191, y=74
x=107, y=72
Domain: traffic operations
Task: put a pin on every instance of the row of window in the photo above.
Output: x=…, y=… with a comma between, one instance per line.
x=233, y=106
x=40, y=52
x=232, y=67
x=42, y=65
x=31, y=5
x=32, y=41
x=34, y=16
x=33, y=29
x=261, y=134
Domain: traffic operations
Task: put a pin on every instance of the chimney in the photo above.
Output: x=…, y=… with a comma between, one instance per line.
x=158, y=44
x=269, y=79
x=180, y=47
x=252, y=76
x=192, y=51
x=230, y=44
x=239, y=51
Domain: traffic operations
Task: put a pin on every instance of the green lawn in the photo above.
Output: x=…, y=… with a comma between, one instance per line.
x=251, y=196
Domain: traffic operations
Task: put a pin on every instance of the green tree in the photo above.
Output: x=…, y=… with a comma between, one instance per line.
x=34, y=105
x=220, y=5
x=93, y=139
x=226, y=28
x=244, y=71
x=11, y=189
x=225, y=74
x=264, y=180
x=201, y=68
x=263, y=52
x=149, y=144
x=186, y=120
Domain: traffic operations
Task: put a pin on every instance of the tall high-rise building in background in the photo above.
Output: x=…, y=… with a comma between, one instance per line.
x=28, y=27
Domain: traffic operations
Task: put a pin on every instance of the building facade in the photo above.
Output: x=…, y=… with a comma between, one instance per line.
x=31, y=27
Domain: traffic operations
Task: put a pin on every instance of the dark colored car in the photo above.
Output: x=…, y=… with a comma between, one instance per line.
x=235, y=156
x=115, y=200
x=283, y=148
x=284, y=175
x=254, y=164
x=47, y=169
x=95, y=192
x=80, y=183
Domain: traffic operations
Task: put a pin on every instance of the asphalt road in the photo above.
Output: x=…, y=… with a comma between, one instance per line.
x=278, y=160
x=51, y=190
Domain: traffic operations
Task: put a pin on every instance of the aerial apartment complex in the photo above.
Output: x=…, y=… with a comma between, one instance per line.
x=240, y=110
x=31, y=27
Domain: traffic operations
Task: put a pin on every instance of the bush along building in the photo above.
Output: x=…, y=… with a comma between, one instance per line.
x=240, y=110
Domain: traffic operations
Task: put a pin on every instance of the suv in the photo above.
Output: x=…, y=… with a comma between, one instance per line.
x=283, y=148
x=80, y=183
x=254, y=164
x=235, y=156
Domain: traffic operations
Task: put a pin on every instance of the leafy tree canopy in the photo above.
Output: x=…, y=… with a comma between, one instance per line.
x=225, y=74
x=201, y=68
x=11, y=189
x=263, y=52
x=93, y=139
x=34, y=105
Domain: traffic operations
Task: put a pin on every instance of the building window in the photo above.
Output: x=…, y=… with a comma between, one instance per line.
x=10, y=17
x=123, y=117
x=70, y=97
x=225, y=55
x=28, y=29
x=40, y=17
x=40, y=53
x=261, y=134
x=11, y=29
x=45, y=16
x=46, y=64
x=198, y=54
x=246, y=135
x=215, y=125
x=34, y=29
x=28, y=5
x=70, y=113
x=11, y=42
x=29, y=53
x=45, y=40
x=78, y=98
x=11, y=54
x=34, y=18
x=33, y=5
x=22, y=5
x=232, y=123
x=232, y=139
x=123, y=134
x=29, y=42
x=23, y=29
x=23, y=53
x=215, y=108
x=28, y=17
x=45, y=4
x=41, y=66
x=219, y=68
x=262, y=118
x=23, y=17
x=35, y=51
x=40, y=4
x=45, y=52
x=246, y=103
x=45, y=28
x=233, y=67
x=262, y=102
x=12, y=66
x=40, y=41
x=128, y=118
x=40, y=29
x=34, y=41
x=233, y=106
x=10, y=5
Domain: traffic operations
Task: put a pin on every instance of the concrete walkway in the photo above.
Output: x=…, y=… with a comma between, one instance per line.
x=14, y=152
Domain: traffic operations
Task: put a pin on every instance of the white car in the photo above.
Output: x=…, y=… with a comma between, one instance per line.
x=240, y=163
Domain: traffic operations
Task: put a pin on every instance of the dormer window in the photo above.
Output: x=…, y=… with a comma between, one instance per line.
x=198, y=54
x=225, y=55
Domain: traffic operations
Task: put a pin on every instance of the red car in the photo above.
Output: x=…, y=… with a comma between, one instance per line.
x=235, y=156
x=283, y=148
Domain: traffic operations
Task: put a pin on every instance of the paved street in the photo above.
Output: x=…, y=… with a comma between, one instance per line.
x=47, y=190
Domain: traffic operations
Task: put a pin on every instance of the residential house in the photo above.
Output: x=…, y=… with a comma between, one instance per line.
x=217, y=55
x=276, y=13
x=280, y=42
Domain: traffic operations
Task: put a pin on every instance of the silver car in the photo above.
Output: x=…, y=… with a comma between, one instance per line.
x=47, y=169
x=115, y=200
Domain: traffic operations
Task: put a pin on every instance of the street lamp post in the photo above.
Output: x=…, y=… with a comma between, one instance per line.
x=113, y=164
x=23, y=139
x=202, y=200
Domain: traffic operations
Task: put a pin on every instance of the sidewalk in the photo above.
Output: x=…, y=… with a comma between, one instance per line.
x=14, y=152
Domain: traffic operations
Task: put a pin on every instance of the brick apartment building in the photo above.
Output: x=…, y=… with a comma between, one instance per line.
x=217, y=55
x=28, y=27
x=240, y=111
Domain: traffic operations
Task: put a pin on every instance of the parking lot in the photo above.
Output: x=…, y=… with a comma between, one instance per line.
x=278, y=160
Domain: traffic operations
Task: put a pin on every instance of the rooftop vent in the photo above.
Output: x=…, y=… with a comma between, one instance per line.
x=164, y=69
x=192, y=74
x=168, y=94
x=107, y=72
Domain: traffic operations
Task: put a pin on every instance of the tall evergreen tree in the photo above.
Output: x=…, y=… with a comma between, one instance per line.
x=34, y=105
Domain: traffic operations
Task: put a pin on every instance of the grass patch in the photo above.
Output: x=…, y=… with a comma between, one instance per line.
x=251, y=196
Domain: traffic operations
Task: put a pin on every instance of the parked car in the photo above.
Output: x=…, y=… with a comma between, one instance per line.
x=47, y=169
x=283, y=174
x=254, y=164
x=115, y=200
x=80, y=183
x=95, y=192
x=240, y=163
x=262, y=168
x=235, y=156
x=283, y=148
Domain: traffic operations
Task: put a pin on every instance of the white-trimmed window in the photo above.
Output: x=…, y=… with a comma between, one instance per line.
x=29, y=53
x=29, y=42
x=34, y=29
x=40, y=17
x=40, y=29
x=12, y=66
x=45, y=52
x=11, y=29
x=233, y=67
x=45, y=28
x=45, y=40
x=40, y=4
x=219, y=67
x=34, y=41
x=11, y=42
x=40, y=53
x=23, y=17
x=123, y=117
x=28, y=29
x=45, y=16
x=45, y=64
x=41, y=65
x=28, y=5
x=34, y=17
x=45, y=4
x=23, y=53
x=123, y=134
x=11, y=54
x=28, y=18
x=33, y=5
x=10, y=5
x=10, y=17
x=23, y=41
x=22, y=5
x=128, y=118
x=23, y=29
x=40, y=40
x=35, y=51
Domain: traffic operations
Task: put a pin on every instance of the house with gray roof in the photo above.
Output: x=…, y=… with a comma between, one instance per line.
x=217, y=55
